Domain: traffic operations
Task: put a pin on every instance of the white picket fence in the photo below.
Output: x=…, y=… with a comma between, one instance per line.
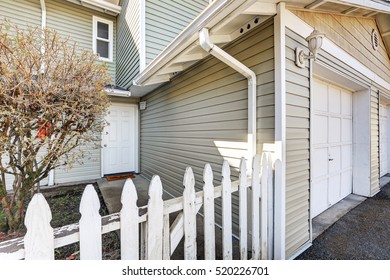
x=146, y=232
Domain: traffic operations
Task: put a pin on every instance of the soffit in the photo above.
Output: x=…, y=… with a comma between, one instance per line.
x=228, y=20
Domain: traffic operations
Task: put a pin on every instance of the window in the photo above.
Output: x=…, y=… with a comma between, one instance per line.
x=103, y=38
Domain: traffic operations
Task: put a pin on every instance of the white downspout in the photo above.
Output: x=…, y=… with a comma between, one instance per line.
x=43, y=9
x=207, y=45
x=50, y=176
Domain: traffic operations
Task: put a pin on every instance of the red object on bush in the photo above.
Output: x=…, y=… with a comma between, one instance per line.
x=44, y=130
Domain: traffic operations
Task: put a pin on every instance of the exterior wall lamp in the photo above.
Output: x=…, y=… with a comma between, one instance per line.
x=314, y=41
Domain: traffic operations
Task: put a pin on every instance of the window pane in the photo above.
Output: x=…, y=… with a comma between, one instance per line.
x=102, y=48
x=102, y=30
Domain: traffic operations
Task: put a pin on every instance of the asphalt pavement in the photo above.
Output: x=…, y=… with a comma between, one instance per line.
x=361, y=234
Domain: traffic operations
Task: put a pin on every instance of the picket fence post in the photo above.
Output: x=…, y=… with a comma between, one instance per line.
x=129, y=231
x=264, y=207
x=243, y=212
x=189, y=215
x=255, y=208
x=280, y=214
x=90, y=225
x=227, y=246
x=39, y=239
x=208, y=207
x=155, y=224
x=271, y=194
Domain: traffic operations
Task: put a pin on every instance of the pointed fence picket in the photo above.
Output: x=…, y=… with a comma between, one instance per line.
x=227, y=243
x=129, y=222
x=155, y=223
x=255, y=213
x=208, y=208
x=39, y=239
x=243, y=211
x=90, y=226
x=147, y=232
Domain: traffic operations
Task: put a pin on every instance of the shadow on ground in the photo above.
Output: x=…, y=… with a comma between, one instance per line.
x=362, y=234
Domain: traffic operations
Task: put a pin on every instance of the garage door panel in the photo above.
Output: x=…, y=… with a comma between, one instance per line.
x=334, y=188
x=319, y=189
x=320, y=130
x=320, y=156
x=334, y=130
x=346, y=183
x=331, y=147
x=334, y=159
x=334, y=100
x=320, y=99
x=346, y=104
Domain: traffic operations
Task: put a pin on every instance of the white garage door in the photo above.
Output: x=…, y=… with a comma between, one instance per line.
x=383, y=167
x=331, y=146
x=119, y=139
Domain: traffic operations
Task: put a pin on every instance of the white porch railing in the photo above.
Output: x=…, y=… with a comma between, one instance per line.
x=159, y=238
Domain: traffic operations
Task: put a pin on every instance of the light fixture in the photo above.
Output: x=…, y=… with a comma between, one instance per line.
x=314, y=41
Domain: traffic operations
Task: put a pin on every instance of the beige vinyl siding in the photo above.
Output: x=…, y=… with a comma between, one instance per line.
x=76, y=21
x=165, y=19
x=21, y=12
x=374, y=142
x=297, y=148
x=352, y=34
x=201, y=115
x=128, y=43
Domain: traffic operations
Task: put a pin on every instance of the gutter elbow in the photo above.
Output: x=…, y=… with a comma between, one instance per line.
x=204, y=40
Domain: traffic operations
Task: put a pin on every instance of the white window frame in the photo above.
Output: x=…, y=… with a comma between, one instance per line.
x=110, y=40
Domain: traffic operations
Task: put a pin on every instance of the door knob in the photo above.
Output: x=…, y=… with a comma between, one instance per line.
x=331, y=159
x=105, y=145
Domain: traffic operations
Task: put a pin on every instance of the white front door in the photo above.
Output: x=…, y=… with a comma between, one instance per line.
x=383, y=166
x=119, y=139
x=331, y=146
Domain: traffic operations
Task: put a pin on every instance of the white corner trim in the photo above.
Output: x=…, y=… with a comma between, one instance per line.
x=142, y=47
x=303, y=29
x=280, y=129
x=110, y=23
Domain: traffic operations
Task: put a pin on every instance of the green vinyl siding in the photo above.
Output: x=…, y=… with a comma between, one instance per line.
x=128, y=43
x=165, y=19
x=76, y=22
x=201, y=115
x=69, y=20
x=88, y=168
x=73, y=21
x=21, y=12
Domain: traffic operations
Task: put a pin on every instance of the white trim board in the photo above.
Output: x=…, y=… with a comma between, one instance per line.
x=280, y=129
x=303, y=29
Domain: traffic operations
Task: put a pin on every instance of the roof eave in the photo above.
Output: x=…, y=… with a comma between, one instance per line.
x=99, y=5
x=187, y=36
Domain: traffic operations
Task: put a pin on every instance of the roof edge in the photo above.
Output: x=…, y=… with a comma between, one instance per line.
x=99, y=5
x=172, y=50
